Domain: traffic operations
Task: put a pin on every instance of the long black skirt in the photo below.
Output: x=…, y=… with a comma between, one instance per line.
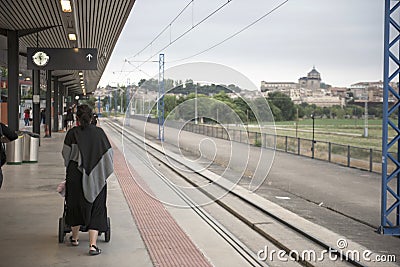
x=79, y=210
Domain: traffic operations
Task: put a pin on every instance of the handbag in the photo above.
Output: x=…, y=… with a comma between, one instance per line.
x=3, y=155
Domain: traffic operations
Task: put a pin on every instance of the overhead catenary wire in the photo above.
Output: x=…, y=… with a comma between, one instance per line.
x=183, y=34
x=233, y=35
x=151, y=43
x=122, y=68
x=165, y=28
x=213, y=46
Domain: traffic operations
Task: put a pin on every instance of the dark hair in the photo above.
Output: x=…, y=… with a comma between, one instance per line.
x=84, y=114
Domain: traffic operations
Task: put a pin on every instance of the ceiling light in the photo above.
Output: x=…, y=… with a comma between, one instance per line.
x=66, y=5
x=80, y=73
x=72, y=36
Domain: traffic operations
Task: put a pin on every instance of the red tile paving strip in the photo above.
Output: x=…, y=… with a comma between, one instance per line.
x=167, y=243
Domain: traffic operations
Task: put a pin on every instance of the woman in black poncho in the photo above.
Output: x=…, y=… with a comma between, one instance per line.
x=88, y=159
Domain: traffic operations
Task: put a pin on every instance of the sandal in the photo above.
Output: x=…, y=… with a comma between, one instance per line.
x=94, y=252
x=74, y=242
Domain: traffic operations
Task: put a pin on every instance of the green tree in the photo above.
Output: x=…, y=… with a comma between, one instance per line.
x=141, y=82
x=223, y=97
x=300, y=111
x=276, y=112
x=170, y=103
x=244, y=110
x=284, y=103
x=337, y=112
x=326, y=112
x=376, y=110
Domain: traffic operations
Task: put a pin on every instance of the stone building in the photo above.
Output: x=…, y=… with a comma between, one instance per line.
x=312, y=81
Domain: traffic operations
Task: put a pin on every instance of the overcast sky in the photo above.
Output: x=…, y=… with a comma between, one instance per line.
x=342, y=38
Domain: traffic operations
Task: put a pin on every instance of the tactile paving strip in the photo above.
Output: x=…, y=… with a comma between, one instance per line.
x=167, y=243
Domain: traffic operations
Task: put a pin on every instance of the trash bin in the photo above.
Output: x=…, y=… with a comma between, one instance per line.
x=14, y=150
x=31, y=147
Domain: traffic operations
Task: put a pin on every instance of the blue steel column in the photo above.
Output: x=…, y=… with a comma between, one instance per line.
x=160, y=102
x=115, y=103
x=109, y=104
x=390, y=211
x=128, y=103
x=98, y=106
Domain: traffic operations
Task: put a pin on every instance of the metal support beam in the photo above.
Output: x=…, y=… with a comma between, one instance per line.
x=128, y=103
x=36, y=101
x=390, y=201
x=14, y=94
x=13, y=86
x=61, y=92
x=48, y=105
x=55, y=99
x=115, y=103
x=68, y=97
x=160, y=102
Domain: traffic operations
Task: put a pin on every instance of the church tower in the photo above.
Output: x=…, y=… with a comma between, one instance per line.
x=313, y=79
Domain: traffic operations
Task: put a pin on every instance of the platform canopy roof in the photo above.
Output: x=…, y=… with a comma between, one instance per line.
x=96, y=24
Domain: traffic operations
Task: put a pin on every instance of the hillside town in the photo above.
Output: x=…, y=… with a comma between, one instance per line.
x=310, y=89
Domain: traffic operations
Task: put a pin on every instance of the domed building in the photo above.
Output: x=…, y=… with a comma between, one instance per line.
x=312, y=81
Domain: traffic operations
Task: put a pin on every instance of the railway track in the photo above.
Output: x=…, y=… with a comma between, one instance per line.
x=297, y=245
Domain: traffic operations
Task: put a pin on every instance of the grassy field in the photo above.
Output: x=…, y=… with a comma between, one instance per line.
x=344, y=131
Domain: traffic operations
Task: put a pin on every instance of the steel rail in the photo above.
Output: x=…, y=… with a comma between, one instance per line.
x=239, y=246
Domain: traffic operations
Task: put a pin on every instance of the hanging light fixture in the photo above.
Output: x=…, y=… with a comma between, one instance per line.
x=66, y=6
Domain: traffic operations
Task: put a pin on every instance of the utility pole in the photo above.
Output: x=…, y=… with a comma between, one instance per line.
x=98, y=105
x=390, y=208
x=160, y=104
x=115, y=102
x=128, y=95
x=121, y=94
x=143, y=104
x=195, y=104
x=366, y=117
x=313, y=140
x=109, y=104
x=297, y=120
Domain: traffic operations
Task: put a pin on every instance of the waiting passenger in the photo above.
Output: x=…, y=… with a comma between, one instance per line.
x=27, y=115
x=69, y=119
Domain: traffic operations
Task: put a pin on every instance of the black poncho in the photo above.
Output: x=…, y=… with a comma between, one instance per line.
x=91, y=150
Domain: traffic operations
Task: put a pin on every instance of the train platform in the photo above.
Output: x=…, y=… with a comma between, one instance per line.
x=143, y=231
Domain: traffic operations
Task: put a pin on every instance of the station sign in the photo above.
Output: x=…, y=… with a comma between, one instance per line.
x=41, y=58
